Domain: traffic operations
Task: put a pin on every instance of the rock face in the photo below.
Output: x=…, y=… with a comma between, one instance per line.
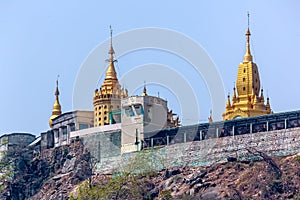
x=229, y=180
x=71, y=169
x=58, y=168
x=60, y=171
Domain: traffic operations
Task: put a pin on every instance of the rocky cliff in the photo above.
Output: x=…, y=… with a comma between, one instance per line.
x=54, y=170
x=66, y=172
x=268, y=178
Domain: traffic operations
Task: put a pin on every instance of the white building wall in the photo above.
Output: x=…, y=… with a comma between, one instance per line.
x=140, y=114
x=64, y=123
x=98, y=129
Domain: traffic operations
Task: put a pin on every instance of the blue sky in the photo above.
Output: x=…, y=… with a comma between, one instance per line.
x=39, y=40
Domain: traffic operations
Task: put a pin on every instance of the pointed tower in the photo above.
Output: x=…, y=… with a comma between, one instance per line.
x=228, y=104
x=144, y=90
x=56, y=110
x=108, y=98
x=234, y=98
x=248, y=101
x=210, y=119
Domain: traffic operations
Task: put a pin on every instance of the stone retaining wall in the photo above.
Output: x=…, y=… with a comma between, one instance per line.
x=206, y=152
x=103, y=145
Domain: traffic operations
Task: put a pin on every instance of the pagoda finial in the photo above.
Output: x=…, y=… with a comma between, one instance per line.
x=111, y=31
x=57, y=91
x=144, y=90
x=210, y=119
x=228, y=104
x=234, y=98
x=262, y=98
x=268, y=106
x=111, y=51
x=248, y=15
x=56, y=110
x=248, y=56
x=111, y=72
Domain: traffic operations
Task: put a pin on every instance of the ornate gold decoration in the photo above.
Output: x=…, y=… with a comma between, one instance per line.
x=171, y=122
x=108, y=97
x=249, y=100
x=56, y=110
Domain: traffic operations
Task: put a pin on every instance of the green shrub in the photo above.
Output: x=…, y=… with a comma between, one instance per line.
x=165, y=195
x=297, y=158
x=126, y=183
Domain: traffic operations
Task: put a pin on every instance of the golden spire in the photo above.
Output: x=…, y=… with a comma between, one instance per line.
x=57, y=92
x=248, y=56
x=268, y=107
x=144, y=90
x=111, y=72
x=56, y=110
x=262, y=98
x=228, y=105
x=234, y=99
x=124, y=92
x=249, y=100
x=108, y=98
x=210, y=119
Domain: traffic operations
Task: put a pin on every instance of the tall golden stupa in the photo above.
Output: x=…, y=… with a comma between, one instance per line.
x=247, y=99
x=108, y=98
x=56, y=110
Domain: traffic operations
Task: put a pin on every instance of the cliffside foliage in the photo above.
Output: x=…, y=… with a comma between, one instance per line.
x=267, y=178
x=128, y=182
x=13, y=162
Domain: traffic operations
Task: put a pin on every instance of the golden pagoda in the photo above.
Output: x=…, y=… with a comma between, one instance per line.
x=247, y=99
x=56, y=110
x=108, y=97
